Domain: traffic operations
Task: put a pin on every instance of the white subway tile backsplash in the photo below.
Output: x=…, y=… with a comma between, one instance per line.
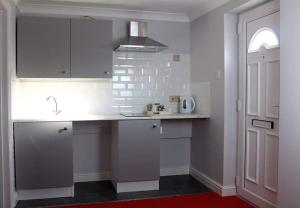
x=126, y=93
x=154, y=77
x=120, y=71
x=115, y=78
x=126, y=78
x=138, y=79
x=119, y=86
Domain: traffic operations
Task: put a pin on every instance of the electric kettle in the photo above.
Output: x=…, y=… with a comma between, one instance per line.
x=187, y=104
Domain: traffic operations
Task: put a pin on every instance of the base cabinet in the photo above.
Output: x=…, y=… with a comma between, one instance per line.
x=136, y=149
x=43, y=155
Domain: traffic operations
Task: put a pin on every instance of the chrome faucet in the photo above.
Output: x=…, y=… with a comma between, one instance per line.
x=56, y=111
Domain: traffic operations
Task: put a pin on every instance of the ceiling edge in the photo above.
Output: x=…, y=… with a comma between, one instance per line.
x=69, y=10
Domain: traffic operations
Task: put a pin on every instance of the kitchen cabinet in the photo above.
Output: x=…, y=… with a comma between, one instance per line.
x=43, y=155
x=64, y=48
x=91, y=48
x=136, y=149
x=172, y=129
x=43, y=47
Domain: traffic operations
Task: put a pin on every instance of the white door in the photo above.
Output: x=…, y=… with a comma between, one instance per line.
x=258, y=182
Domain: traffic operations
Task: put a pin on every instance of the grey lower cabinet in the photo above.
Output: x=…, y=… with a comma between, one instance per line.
x=43, y=155
x=172, y=129
x=136, y=152
x=91, y=48
x=43, y=47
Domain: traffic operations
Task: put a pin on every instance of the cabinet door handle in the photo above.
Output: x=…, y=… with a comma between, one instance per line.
x=63, y=72
x=154, y=126
x=63, y=129
x=107, y=72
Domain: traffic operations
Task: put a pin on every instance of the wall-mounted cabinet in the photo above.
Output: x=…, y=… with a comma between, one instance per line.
x=43, y=47
x=63, y=48
x=91, y=48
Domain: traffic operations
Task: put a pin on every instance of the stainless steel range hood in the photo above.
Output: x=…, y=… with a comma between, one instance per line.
x=138, y=40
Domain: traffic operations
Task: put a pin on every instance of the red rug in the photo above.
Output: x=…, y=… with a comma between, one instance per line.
x=208, y=200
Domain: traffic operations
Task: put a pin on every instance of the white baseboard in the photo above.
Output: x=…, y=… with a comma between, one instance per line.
x=46, y=193
x=102, y=176
x=85, y=177
x=212, y=184
x=174, y=171
x=136, y=186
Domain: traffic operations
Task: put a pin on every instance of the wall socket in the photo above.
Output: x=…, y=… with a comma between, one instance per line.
x=176, y=57
x=174, y=99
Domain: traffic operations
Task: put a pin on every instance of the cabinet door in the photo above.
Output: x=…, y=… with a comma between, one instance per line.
x=139, y=149
x=91, y=48
x=172, y=129
x=43, y=47
x=43, y=155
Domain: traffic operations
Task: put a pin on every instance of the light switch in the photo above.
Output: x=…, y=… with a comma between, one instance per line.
x=219, y=74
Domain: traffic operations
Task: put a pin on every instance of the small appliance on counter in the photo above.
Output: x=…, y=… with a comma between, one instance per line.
x=187, y=104
x=157, y=108
x=174, y=103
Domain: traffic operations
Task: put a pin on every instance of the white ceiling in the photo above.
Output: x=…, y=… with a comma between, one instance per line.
x=192, y=8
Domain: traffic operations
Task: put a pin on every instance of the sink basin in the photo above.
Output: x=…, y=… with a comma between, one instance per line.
x=135, y=115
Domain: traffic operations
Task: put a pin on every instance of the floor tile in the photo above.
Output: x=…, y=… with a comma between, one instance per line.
x=89, y=192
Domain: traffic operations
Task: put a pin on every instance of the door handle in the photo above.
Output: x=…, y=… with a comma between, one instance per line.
x=154, y=126
x=63, y=129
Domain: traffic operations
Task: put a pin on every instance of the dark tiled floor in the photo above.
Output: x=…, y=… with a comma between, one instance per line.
x=90, y=192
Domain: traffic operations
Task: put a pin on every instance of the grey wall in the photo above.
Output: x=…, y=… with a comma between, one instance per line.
x=92, y=147
x=207, y=37
x=289, y=143
x=175, y=153
x=212, y=144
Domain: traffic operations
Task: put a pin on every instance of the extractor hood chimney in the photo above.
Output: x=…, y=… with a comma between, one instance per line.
x=138, y=40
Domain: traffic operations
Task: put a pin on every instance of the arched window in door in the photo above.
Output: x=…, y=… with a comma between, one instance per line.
x=263, y=37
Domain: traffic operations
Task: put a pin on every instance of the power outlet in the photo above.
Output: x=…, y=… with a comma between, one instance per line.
x=176, y=57
x=174, y=99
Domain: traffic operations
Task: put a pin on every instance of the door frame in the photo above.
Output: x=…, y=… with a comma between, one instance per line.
x=5, y=150
x=2, y=105
x=244, y=18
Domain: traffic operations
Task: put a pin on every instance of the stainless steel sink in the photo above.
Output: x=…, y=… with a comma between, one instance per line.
x=134, y=114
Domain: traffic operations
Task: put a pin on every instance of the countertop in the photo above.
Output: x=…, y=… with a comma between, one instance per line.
x=113, y=117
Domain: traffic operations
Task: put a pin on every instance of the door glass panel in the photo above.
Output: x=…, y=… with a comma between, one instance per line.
x=265, y=37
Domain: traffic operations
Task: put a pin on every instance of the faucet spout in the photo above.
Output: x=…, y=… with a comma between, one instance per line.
x=56, y=111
